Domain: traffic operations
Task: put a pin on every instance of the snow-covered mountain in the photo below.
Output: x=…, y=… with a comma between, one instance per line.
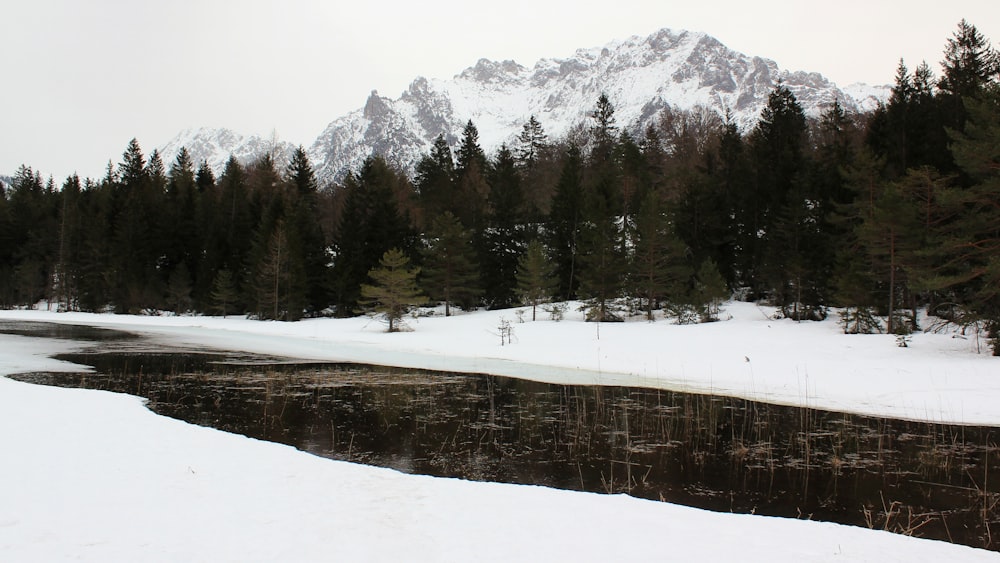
x=216, y=145
x=640, y=75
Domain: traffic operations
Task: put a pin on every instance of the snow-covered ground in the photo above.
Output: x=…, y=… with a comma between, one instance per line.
x=94, y=476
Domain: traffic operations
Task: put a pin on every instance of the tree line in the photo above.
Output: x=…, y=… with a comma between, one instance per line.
x=879, y=214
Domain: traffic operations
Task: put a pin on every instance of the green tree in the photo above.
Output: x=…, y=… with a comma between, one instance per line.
x=394, y=289
x=970, y=63
x=304, y=216
x=370, y=224
x=965, y=247
x=709, y=291
x=777, y=148
x=566, y=223
x=435, y=180
x=224, y=292
x=535, y=282
x=890, y=234
x=657, y=269
x=502, y=240
x=469, y=199
x=531, y=143
x=450, y=273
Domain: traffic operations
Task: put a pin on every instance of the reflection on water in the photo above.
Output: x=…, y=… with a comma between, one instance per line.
x=63, y=332
x=724, y=454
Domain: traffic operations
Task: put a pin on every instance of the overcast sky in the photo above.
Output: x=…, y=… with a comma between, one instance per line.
x=82, y=78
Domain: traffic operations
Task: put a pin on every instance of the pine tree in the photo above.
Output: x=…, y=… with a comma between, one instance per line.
x=435, y=180
x=530, y=143
x=970, y=63
x=450, y=273
x=890, y=234
x=604, y=131
x=304, y=215
x=854, y=282
x=224, y=292
x=566, y=223
x=965, y=247
x=369, y=225
x=182, y=243
x=394, y=288
x=603, y=261
x=535, y=282
x=709, y=291
x=778, y=195
x=280, y=283
x=135, y=247
x=469, y=201
x=651, y=275
x=502, y=240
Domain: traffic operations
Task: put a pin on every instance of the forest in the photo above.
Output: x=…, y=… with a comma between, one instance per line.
x=877, y=216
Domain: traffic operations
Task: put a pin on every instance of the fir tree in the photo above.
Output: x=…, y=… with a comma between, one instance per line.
x=503, y=240
x=450, y=273
x=304, y=216
x=709, y=291
x=224, y=292
x=652, y=277
x=535, y=282
x=530, y=143
x=970, y=63
x=370, y=224
x=566, y=223
x=435, y=180
x=394, y=289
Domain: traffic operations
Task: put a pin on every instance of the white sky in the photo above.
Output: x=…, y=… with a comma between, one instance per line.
x=81, y=78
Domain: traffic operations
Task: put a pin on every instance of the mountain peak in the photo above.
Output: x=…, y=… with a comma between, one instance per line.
x=641, y=75
x=491, y=72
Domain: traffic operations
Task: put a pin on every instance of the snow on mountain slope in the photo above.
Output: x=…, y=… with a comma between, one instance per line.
x=215, y=146
x=640, y=75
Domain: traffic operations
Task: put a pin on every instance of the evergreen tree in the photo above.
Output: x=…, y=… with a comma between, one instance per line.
x=305, y=218
x=566, y=223
x=503, y=239
x=603, y=261
x=709, y=291
x=471, y=188
x=370, y=224
x=450, y=273
x=394, y=289
x=890, y=234
x=531, y=143
x=604, y=131
x=777, y=144
x=535, y=282
x=435, y=180
x=970, y=63
x=224, y=292
x=711, y=219
x=32, y=223
x=854, y=282
x=965, y=246
x=654, y=275
x=182, y=243
x=279, y=281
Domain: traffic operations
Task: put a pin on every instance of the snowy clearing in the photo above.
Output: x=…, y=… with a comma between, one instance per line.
x=95, y=476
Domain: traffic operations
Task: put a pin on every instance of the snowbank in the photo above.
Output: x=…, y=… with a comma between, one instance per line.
x=94, y=476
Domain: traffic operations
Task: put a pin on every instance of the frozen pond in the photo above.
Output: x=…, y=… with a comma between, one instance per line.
x=929, y=480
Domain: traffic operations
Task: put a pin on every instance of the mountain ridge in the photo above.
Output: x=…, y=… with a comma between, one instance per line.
x=641, y=76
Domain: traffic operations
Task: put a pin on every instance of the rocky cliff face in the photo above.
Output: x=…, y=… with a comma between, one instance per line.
x=641, y=76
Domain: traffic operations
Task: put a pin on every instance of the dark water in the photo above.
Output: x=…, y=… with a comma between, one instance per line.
x=928, y=480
